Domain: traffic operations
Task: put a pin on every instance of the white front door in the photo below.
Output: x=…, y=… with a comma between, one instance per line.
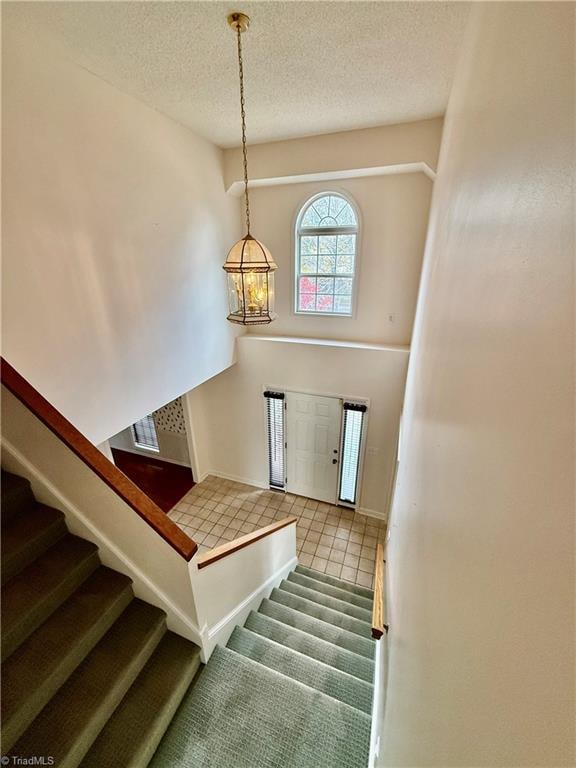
x=313, y=445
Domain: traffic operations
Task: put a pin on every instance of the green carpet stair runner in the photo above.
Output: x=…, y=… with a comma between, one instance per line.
x=92, y=677
x=90, y=674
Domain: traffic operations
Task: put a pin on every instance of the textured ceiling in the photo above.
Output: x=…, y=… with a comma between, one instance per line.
x=311, y=67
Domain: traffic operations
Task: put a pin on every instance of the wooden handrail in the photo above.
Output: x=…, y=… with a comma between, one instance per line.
x=378, y=626
x=96, y=461
x=233, y=546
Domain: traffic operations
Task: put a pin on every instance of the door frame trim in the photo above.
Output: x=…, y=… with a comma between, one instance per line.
x=360, y=398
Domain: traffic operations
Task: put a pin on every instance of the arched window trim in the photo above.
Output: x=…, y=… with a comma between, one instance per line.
x=299, y=230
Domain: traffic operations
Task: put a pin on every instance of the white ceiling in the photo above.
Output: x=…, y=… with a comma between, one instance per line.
x=310, y=67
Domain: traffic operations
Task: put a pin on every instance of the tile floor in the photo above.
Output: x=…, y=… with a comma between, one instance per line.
x=330, y=539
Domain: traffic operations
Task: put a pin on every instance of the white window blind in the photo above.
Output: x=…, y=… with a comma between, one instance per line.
x=354, y=414
x=275, y=417
x=144, y=434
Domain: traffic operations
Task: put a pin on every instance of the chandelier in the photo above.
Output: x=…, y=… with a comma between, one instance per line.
x=249, y=264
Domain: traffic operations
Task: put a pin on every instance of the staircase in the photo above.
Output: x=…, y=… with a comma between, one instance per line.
x=91, y=677
x=87, y=669
x=293, y=688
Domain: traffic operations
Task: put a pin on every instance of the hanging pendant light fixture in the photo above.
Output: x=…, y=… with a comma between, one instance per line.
x=249, y=264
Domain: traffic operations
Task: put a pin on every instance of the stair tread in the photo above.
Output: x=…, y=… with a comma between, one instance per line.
x=41, y=665
x=33, y=594
x=361, y=628
x=147, y=708
x=312, y=646
x=240, y=713
x=329, y=589
x=340, y=583
x=16, y=495
x=318, y=628
x=71, y=721
x=312, y=672
x=26, y=536
x=362, y=614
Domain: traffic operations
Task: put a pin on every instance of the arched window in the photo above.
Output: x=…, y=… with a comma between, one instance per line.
x=326, y=250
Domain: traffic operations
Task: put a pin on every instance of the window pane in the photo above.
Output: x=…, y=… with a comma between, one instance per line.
x=335, y=206
x=144, y=433
x=321, y=205
x=307, y=302
x=327, y=243
x=324, y=303
x=353, y=421
x=346, y=243
x=343, y=305
x=308, y=263
x=311, y=218
x=308, y=244
x=346, y=217
x=326, y=263
x=307, y=285
x=345, y=264
x=325, y=285
x=343, y=285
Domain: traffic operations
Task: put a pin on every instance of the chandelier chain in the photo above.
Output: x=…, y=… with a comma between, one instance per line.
x=243, y=114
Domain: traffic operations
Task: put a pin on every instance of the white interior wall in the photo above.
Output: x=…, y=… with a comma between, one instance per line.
x=115, y=228
x=393, y=219
x=480, y=564
x=228, y=412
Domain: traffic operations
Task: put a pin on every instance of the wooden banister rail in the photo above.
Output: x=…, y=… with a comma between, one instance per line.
x=378, y=626
x=233, y=546
x=96, y=461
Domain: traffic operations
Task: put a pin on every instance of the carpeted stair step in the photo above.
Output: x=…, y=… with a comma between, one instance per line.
x=69, y=724
x=16, y=495
x=315, y=674
x=239, y=713
x=43, y=663
x=27, y=536
x=318, y=628
x=361, y=628
x=327, y=601
x=31, y=596
x=340, y=583
x=309, y=645
x=130, y=737
x=331, y=591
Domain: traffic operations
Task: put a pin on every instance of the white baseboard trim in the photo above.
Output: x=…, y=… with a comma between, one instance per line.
x=236, y=479
x=378, y=699
x=372, y=513
x=219, y=633
x=145, y=589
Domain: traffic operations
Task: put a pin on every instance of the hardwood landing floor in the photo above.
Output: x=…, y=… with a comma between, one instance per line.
x=163, y=482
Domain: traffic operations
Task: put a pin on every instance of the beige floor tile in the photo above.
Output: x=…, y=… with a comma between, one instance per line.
x=323, y=552
x=309, y=547
x=316, y=525
x=354, y=549
x=351, y=560
x=366, y=565
x=210, y=541
x=313, y=536
x=336, y=556
x=364, y=579
x=319, y=564
x=326, y=540
x=340, y=544
x=305, y=559
x=334, y=569
x=348, y=574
